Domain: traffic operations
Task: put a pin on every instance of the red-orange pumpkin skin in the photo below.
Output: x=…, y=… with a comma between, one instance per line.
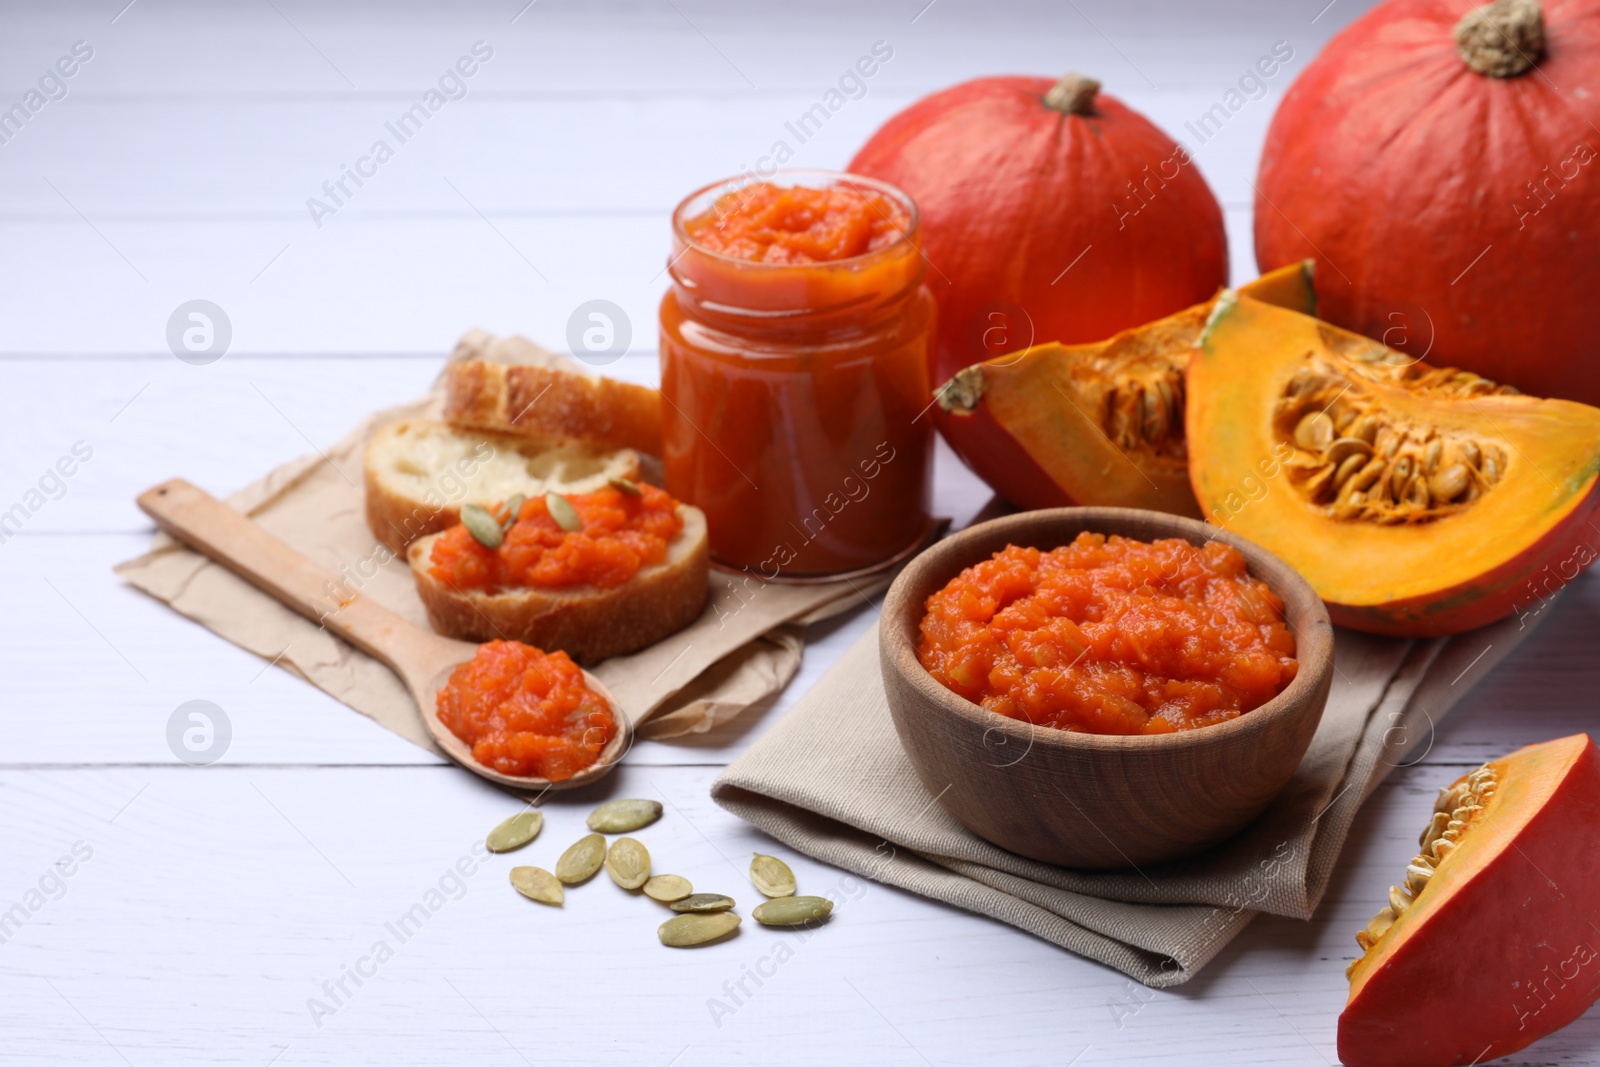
x=1512, y=955
x=1088, y=223
x=1452, y=214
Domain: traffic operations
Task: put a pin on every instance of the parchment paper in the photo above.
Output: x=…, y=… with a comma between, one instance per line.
x=739, y=651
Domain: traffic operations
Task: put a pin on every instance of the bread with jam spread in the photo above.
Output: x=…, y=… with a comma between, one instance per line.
x=419, y=473
x=628, y=569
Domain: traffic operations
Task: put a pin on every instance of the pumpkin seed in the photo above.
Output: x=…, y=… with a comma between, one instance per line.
x=628, y=863
x=686, y=931
x=1451, y=482
x=771, y=876
x=1318, y=486
x=1348, y=468
x=484, y=527
x=1380, y=923
x=625, y=487
x=515, y=832
x=1344, y=448
x=792, y=911
x=1152, y=417
x=563, y=512
x=513, y=506
x=1399, y=474
x=1314, y=432
x=668, y=888
x=624, y=816
x=578, y=863
x=1399, y=899
x=536, y=883
x=1435, y=829
x=1431, y=456
x=703, y=902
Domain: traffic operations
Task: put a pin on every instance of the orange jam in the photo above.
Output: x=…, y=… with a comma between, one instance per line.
x=620, y=535
x=525, y=712
x=767, y=223
x=794, y=344
x=1110, y=636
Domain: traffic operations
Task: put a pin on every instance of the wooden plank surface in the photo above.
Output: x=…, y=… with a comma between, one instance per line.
x=214, y=902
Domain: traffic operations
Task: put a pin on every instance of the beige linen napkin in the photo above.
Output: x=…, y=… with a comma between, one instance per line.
x=832, y=781
x=744, y=647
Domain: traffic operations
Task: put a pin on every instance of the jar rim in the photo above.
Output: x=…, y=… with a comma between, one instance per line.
x=802, y=177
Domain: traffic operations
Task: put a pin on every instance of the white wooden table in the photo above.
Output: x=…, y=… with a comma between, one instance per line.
x=215, y=902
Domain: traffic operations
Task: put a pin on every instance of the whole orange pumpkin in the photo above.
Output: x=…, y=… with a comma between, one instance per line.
x=1050, y=212
x=1440, y=164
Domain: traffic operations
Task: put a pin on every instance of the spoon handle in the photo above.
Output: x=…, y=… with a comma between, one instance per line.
x=214, y=529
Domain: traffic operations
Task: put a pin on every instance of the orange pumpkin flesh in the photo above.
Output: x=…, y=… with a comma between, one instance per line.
x=1497, y=942
x=1499, y=515
x=1096, y=423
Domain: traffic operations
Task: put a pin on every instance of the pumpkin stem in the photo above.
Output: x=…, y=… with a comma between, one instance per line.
x=1073, y=94
x=962, y=394
x=1502, y=39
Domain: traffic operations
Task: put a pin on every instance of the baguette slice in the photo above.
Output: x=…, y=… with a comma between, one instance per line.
x=418, y=474
x=550, y=402
x=588, y=623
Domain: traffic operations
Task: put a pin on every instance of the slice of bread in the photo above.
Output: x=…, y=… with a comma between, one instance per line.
x=550, y=402
x=418, y=474
x=588, y=623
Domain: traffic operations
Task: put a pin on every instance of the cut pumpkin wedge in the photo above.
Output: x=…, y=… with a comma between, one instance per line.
x=1417, y=500
x=1493, y=940
x=1098, y=423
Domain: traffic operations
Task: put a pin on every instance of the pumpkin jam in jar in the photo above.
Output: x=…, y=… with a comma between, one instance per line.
x=794, y=345
x=525, y=712
x=1110, y=636
x=618, y=535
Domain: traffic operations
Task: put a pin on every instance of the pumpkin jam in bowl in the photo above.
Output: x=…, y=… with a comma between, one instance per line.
x=1077, y=688
x=1110, y=635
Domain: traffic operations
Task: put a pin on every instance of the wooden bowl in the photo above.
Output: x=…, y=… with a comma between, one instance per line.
x=1090, y=800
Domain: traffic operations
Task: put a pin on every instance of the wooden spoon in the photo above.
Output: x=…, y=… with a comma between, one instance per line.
x=422, y=659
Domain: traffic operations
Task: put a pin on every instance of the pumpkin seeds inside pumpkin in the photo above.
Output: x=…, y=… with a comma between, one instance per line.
x=686, y=931
x=624, y=816
x=625, y=486
x=484, y=527
x=628, y=863
x=1361, y=461
x=793, y=911
x=668, y=888
x=579, y=862
x=515, y=832
x=1453, y=817
x=772, y=876
x=536, y=883
x=703, y=902
x=563, y=512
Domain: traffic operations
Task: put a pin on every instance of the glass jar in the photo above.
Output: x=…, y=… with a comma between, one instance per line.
x=796, y=396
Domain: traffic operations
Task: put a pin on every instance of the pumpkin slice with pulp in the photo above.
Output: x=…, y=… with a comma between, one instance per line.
x=1493, y=940
x=1417, y=500
x=1094, y=423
